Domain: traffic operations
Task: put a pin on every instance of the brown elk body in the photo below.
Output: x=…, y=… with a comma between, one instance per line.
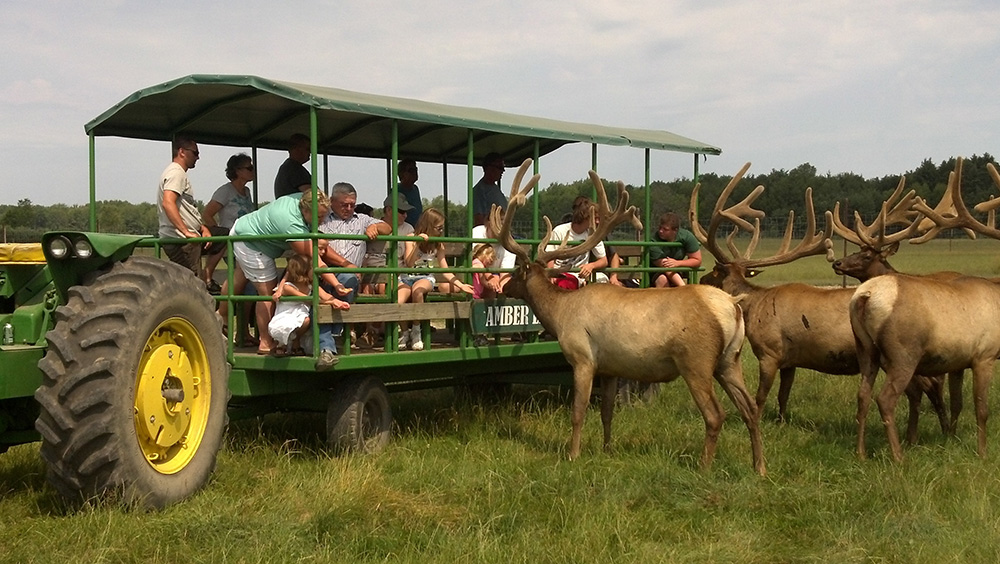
x=650, y=335
x=899, y=327
x=794, y=325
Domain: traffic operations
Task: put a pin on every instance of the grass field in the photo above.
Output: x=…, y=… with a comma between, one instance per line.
x=491, y=483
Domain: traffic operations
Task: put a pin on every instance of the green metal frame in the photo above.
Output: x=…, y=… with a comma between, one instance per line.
x=260, y=113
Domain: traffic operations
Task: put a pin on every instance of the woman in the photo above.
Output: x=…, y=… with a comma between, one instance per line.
x=230, y=202
x=288, y=215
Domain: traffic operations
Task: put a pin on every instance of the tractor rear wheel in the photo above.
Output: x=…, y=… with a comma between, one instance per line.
x=133, y=402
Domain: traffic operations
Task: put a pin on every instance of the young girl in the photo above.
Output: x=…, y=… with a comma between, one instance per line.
x=413, y=287
x=482, y=257
x=293, y=317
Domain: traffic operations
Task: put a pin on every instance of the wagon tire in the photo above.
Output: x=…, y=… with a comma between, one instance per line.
x=133, y=399
x=358, y=417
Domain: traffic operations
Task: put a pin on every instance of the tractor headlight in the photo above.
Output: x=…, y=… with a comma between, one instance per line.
x=83, y=248
x=59, y=247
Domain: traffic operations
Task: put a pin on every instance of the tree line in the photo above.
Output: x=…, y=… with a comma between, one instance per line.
x=784, y=190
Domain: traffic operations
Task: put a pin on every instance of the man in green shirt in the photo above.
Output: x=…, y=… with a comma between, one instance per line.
x=688, y=254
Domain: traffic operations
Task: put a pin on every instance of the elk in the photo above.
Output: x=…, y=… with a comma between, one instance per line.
x=789, y=326
x=651, y=335
x=907, y=325
x=876, y=247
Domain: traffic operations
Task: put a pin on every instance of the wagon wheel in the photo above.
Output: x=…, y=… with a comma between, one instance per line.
x=133, y=402
x=359, y=417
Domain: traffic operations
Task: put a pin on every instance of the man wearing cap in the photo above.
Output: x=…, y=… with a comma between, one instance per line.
x=377, y=253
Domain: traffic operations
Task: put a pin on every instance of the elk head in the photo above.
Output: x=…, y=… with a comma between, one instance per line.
x=876, y=245
x=603, y=220
x=734, y=267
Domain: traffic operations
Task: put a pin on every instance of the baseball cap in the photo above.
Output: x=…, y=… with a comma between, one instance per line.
x=401, y=203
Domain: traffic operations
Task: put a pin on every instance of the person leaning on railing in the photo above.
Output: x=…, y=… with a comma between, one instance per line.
x=687, y=255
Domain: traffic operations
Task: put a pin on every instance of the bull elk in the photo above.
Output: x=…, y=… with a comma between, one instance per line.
x=907, y=325
x=651, y=335
x=793, y=325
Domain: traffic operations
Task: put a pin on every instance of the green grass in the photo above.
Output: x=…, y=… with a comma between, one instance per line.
x=468, y=483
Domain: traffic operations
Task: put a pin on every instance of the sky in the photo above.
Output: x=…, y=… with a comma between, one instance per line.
x=872, y=88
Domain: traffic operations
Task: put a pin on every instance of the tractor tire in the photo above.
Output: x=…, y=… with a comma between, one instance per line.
x=133, y=400
x=358, y=417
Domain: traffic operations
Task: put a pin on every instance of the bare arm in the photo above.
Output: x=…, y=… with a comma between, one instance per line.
x=208, y=214
x=174, y=216
x=449, y=277
x=692, y=260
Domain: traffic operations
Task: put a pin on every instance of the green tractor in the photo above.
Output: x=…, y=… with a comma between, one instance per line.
x=118, y=362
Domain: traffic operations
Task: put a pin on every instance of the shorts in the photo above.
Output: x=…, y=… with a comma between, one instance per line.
x=188, y=256
x=217, y=247
x=411, y=279
x=374, y=277
x=257, y=266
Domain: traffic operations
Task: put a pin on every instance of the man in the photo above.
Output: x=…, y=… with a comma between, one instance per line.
x=578, y=229
x=345, y=253
x=408, y=188
x=178, y=213
x=688, y=254
x=292, y=177
x=487, y=191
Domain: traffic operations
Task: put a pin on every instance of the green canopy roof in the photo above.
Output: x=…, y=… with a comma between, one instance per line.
x=245, y=111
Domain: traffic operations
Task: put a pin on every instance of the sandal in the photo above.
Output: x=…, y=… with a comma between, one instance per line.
x=279, y=351
x=263, y=352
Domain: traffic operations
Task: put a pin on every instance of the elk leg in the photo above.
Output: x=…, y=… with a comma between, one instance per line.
x=784, y=390
x=766, y=369
x=734, y=386
x=914, y=395
x=864, y=403
x=933, y=387
x=703, y=393
x=609, y=389
x=982, y=373
x=896, y=381
x=955, y=398
x=583, y=383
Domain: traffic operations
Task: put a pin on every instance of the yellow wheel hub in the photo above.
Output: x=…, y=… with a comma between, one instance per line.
x=172, y=395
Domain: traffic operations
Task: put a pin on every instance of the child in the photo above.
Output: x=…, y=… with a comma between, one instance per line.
x=482, y=257
x=291, y=318
x=414, y=287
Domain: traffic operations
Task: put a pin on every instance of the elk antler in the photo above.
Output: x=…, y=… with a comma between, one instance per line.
x=814, y=243
x=607, y=217
x=734, y=214
x=960, y=216
x=500, y=222
x=896, y=210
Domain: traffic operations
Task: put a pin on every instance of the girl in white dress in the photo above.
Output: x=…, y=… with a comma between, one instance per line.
x=291, y=318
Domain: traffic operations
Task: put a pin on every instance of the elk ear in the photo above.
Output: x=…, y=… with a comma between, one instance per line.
x=890, y=250
x=751, y=272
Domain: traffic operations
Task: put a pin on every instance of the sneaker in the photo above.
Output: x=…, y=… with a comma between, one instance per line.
x=214, y=288
x=416, y=340
x=404, y=338
x=480, y=341
x=326, y=360
x=354, y=340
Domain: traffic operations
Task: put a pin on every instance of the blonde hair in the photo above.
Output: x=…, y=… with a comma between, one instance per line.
x=298, y=271
x=429, y=218
x=305, y=204
x=485, y=253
